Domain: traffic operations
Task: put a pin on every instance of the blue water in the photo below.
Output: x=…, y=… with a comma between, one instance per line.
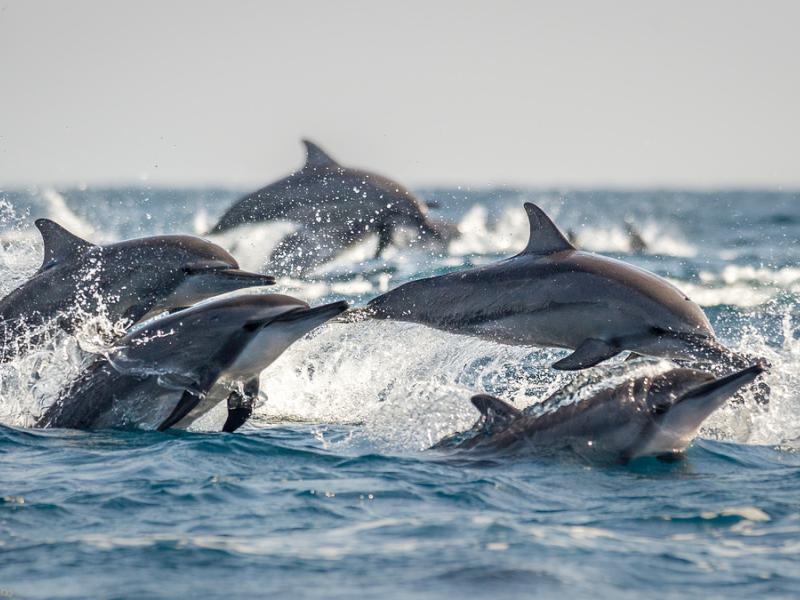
x=330, y=493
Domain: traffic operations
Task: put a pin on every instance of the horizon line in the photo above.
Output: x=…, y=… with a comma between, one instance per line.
x=146, y=183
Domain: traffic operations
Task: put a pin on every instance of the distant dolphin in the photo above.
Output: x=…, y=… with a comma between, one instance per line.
x=635, y=239
x=128, y=280
x=646, y=416
x=336, y=207
x=554, y=295
x=171, y=371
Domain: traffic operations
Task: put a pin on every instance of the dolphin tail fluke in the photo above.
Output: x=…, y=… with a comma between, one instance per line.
x=588, y=354
x=185, y=405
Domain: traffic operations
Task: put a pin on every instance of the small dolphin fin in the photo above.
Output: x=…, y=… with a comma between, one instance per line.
x=545, y=237
x=184, y=406
x=240, y=406
x=591, y=352
x=59, y=244
x=317, y=157
x=633, y=356
x=496, y=413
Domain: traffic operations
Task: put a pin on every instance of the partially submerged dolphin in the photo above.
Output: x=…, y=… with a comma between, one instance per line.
x=335, y=206
x=171, y=371
x=643, y=416
x=551, y=294
x=127, y=280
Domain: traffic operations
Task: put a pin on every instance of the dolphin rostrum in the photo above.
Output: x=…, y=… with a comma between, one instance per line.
x=551, y=294
x=126, y=280
x=171, y=371
x=335, y=206
x=643, y=416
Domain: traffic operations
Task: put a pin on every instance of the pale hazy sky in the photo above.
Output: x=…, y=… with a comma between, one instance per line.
x=565, y=92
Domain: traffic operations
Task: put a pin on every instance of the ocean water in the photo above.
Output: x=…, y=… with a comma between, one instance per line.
x=331, y=492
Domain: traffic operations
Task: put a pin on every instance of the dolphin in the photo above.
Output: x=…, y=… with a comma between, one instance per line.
x=635, y=239
x=130, y=280
x=551, y=294
x=172, y=370
x=336, y=207
x=643, y=416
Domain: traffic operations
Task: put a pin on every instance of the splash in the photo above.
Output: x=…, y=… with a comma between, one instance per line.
x=409, y=386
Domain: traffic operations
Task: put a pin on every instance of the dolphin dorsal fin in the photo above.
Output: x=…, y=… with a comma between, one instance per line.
x=317, y=157
x=59, y=244
x=496, y=413
x=545, y=237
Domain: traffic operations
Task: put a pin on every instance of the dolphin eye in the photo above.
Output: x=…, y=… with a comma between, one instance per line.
x=658, y=331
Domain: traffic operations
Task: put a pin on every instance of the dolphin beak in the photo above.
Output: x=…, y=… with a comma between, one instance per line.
x=202, y=285
x=246, y=278
x=317, y=314
x=724, y=387
x=696, y=405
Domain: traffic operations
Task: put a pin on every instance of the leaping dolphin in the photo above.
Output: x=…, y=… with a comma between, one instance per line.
x=335, y=206
x=551, y=294
x=643, y=416
x=171, y=371
x=128, y=280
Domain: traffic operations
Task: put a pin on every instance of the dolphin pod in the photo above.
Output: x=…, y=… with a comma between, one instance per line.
x=127, y=280
x=643, y=416
x=551, y=294
x=169, y=370
x=335, y=207
x=173, y=370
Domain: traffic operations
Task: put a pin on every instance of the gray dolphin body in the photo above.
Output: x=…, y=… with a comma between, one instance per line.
x=335, y=206
x=554, y=295
x=171, y=371
x=128, y=280
x=643, y=416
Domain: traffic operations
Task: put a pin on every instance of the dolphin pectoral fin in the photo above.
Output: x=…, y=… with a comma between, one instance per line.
x=496, y=413
x=591, y=352
x=385, y=236
x=187, y=402
x=240, y=406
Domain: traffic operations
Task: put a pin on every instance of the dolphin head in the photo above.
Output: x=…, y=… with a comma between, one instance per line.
x=679, y=401
x=235, y=336
x=274, y=333
x=182, y=270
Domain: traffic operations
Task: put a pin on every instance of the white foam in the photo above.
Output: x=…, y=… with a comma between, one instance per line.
x=252, y=244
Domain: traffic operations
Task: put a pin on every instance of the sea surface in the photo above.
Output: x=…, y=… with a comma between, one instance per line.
x=331, y=491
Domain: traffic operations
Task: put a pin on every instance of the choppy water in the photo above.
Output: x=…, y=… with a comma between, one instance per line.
x=330, y=492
